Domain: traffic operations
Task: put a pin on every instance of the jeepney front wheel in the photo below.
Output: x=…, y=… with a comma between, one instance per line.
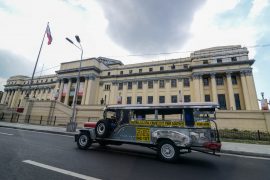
x=168, y=151
x=84, y=141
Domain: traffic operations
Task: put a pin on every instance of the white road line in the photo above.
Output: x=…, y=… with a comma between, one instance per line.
x=81, y=176
x=243, y=156
x=39, y=132
x=6, y=134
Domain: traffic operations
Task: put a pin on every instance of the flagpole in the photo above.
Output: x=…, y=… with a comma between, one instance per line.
x=31, y=82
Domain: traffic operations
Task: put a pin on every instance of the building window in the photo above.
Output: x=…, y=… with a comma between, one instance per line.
x=219, y=80
x=109, y=73
x=139, y=99
x=237, y=101
x=173, y=83
x=129, y=100
x=186, y=82
x=205, y=61
x=140, y=70
x=174, y=99
x=150, y=69
x=234, y=80
x=49, y=90
x=150, y=99
x=107, y=87
x=41, y=80
x=51, y=80
x=185, y=66
x=161, y=99
x=129, y=85
x=205, y=81
x=173, y=66
x=222, y=101
x=120, y=86
x=186, y=98
x=161, y=83
x=130, y=71
x=219, y=60
x=150, y=85
x=161, y=68
x=207, y=98
x=234, y=59
x=121, y=72
x=140, y=84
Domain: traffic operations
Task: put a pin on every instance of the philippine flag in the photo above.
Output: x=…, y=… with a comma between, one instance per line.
x=49, y=35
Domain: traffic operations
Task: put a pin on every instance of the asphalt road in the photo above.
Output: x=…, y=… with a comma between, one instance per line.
x=38, y=156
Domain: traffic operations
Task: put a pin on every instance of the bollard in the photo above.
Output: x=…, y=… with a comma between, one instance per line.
x=3, y=114
x=54, y=120
x=11, y=117
x=28, y=119
x=259, y=135
x=18, y=118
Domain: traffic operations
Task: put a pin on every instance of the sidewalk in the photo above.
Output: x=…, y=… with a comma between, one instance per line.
x=227, y=147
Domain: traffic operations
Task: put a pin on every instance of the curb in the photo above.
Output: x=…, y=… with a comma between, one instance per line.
x=40, y=130
x=246, y=153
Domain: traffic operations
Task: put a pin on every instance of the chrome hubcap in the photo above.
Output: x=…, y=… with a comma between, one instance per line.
x=101, y=128
x=83, y=140
x=167, y=151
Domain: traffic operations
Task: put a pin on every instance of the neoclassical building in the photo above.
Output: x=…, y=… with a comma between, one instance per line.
x=220, y=74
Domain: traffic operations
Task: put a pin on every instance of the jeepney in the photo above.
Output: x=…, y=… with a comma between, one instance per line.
x=170, y=129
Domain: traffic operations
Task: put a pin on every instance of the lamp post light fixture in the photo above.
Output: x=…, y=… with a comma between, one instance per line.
x=72, y=125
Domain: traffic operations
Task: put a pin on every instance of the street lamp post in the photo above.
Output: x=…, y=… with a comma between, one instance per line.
x=71, y=126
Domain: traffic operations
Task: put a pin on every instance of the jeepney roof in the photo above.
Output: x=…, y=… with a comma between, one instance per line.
x=165, y=105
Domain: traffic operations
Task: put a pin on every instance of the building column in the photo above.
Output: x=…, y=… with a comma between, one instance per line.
x=252, y=90
x=145, y=94
x=201, y=89
x=124, y=95
x=11, y=98
x=15, y=98
x=46, y=94
x=180, y=92
x=245, y=90
x=113, y=93
x=90, y=96
x=230, y=91
x=196, y=89
x=68, y=91
x=156, y=88
x=214, y=87
x=84, y=90
x=3, y=97
x=60, y=90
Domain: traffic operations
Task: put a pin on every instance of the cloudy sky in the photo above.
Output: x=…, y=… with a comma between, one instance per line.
x=131, y=31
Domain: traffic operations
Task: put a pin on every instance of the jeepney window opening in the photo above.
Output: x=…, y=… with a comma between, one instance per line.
x=175, y=114
x=204, y=114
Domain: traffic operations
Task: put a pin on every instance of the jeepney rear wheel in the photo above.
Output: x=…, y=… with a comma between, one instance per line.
x=168, y=151
x=84, y=141
x=102, y=129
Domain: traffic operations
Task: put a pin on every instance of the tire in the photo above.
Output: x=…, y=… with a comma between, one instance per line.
x=168, y=151
x=102, y=129
x=84, y=141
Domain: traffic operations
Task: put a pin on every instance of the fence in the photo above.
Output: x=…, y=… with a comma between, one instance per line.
x=244, y=135
x=43, y=120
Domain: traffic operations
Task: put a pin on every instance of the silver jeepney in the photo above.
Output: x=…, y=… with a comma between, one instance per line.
x=168, y=128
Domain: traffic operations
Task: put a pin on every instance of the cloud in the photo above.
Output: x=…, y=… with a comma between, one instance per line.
x=149, y=26
x=12, y=64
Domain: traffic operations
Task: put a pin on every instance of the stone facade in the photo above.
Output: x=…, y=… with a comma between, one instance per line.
x=220, y=74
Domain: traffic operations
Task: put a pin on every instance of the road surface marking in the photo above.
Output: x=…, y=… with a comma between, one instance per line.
x=39, y=132
x=6, y=134
x=245, y=156
x=81, y=176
